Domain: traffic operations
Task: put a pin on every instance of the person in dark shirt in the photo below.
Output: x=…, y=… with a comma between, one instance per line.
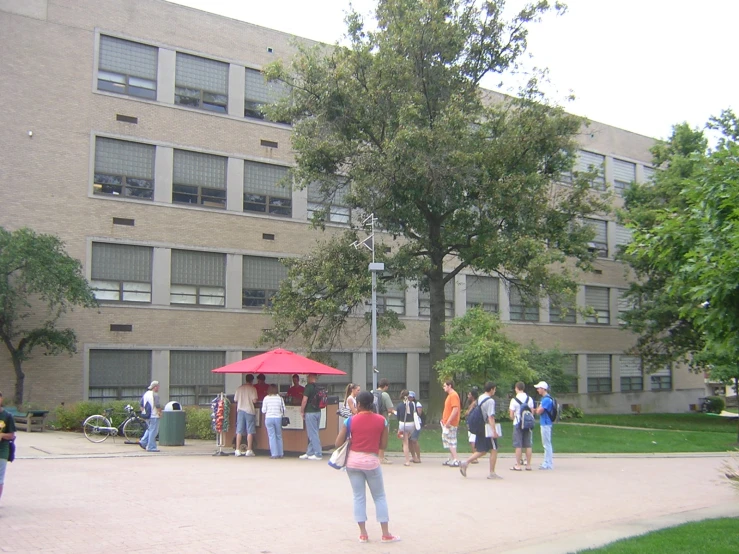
x=7, y=434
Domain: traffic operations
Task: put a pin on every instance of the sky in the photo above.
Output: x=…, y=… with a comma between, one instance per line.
x=641, y=65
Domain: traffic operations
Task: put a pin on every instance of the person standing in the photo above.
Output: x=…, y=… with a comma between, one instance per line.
x=413, y=443
x=153, y=406
x=406, y=423
x=246, y=415
x=295, y=393
x=273, y=409
x=522, y=438
x=385, y=408
x=7, y=434
x=450, y=422
x=488, y=443
x=369, y=436
x=312, y=416
x=545, y=423
x=144, y=440
x=350, y=399
x=261, y=386
x=471, y=403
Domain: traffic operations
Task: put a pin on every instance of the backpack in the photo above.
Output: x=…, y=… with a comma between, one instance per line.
x=377, y=404
x=319, y=400
x=475, y=419
x=527, y=418
x=554, y=413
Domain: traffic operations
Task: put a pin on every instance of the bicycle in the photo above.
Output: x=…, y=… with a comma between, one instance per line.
x=97, y=428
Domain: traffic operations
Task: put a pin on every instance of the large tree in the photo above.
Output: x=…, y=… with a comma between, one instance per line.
x=38, y=283
x=396, y=124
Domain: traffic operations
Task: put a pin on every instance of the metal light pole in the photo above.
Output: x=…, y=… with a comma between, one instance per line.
x=374, y=268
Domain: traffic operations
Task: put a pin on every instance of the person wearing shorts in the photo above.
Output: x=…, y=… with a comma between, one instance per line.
x=246, y=415
x=488, y=443
x=406, y=423
x=7, y=434
x=450, y=422
x=522, y=438
x=413, y=443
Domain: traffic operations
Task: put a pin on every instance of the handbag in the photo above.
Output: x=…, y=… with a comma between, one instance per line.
x=11, y=450
x=417, y=421
x=338, y=456
x=285, y=419
x=345, y=411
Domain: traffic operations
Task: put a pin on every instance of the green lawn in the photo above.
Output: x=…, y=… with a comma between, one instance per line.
x=683, y=422
x=713, y=536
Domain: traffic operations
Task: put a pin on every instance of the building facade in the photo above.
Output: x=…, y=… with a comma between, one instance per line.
x=132, y=130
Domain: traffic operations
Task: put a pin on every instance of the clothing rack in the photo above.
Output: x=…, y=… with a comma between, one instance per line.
x=220, y=412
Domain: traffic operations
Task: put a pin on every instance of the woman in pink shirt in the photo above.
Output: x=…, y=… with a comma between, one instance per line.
x=368, y=434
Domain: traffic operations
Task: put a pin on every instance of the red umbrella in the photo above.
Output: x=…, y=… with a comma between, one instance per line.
x=279, y=361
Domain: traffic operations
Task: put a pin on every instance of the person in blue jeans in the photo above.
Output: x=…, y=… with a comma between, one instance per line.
x=545, y=422
x=312, y=417
x=273, y=409
x=152, y=399
x=368, y=432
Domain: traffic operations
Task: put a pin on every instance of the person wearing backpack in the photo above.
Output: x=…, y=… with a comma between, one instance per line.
x=487, y=435
x=382, y=404
x=311, y=414
x=522, y=415
x=545, y=411
x=7, y=435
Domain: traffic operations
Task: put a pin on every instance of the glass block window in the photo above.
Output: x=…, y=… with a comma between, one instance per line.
x=424, y=300
x=121, y=272
x=482, y=291
x=198, y=278
x=597, y=299
x=523, y=308
x=632, y=378
x=330, y=206
x=264, y=191
x=119, y=375
x=599, y=373
x=600, y=240
x=199, y=179
x=127, y=67
x=261, y=280
x=570, y=370
x=662, y=379
x=124, y=169
x=201, y=83
x=391, y=367
x=590, y=161
x=392, y=300
x=258, y=92
x=191, y=381
x=624, y=173
x=424, y=370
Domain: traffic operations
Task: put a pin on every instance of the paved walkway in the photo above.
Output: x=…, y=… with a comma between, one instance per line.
x=65, y=494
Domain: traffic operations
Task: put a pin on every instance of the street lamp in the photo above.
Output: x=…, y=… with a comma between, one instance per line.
x=374, y=268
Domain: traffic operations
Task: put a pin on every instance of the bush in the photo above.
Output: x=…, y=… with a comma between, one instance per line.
x=70, y=417
x=198, y=423
x=716, y=404
x=571, y=412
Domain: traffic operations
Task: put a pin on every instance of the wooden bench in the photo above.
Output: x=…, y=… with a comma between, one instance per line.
x=32, y=420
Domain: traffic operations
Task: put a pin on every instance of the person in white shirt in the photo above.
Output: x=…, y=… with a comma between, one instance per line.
x=488, y=443
x=151, y=398
x=273, y=408
x=522, y=438
x=246, y=416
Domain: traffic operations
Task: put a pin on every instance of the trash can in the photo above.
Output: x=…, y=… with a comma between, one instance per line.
x=172, y=425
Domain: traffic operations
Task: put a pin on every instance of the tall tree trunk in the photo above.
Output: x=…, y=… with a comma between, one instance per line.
x=437, y=344
x=20, y=378
x=736, y=391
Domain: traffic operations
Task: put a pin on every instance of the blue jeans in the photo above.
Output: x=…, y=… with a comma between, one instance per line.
x=274, y=432
x=153, y=432
x=312, y=421
x=373, y=479
x=546, y=441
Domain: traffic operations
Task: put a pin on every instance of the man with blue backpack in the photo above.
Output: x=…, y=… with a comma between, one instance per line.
x=521, y=412
x=547, y=412
x=481, y=423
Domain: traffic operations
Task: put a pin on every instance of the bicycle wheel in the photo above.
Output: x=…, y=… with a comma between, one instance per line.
x=96, y=428
x=134, y=429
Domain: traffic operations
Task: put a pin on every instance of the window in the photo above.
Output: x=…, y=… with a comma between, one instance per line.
x=191, y=380
x=599, y=373
x=119, y=375
x=336, y=384
x=127, y=67
x=121, y=272
x=623, y=236
x=600, y=240
x=261, y=280
x=199, y=179
x=523, y=307
x=624, y=305
x=564, y=313
x=201, y=83
x=649, y=174
x=124, y=169
x=570, y=370
x=590, y=161
x=597, y=299
x=624, y=173
x=392, y=300
x=483, y=292
x=662, y=379
x=328, y=205
x=264, y=191
x=258, y=92
x=390, y=367
x=632, y=378
x=424, y=376
x=198, y=278
x=424, y=300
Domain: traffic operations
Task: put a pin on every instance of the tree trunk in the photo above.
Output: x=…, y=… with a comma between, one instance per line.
x=20, y=378
x=437, y=345
x=736, y=391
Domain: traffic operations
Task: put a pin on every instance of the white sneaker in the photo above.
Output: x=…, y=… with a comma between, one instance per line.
x=312, y=457
x=249, y=454
x=303, y=457
x=238, y=453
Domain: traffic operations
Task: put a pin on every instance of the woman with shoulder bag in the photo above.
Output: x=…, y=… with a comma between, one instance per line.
x=368, y=437
x=406, y=423
x=349, y=407
x=273, y=408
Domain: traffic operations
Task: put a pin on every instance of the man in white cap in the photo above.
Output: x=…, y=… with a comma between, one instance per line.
x=545, y=422
x=153, y=408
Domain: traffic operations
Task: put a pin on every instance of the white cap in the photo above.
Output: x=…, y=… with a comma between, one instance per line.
x=541, y=385
x=153, y=384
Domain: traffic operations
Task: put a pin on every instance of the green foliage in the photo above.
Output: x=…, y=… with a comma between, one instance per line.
x=38, y=283
x=716, y=404
x=571, y=412
x=69, y=417
x=198, y=423
x=548, y=365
